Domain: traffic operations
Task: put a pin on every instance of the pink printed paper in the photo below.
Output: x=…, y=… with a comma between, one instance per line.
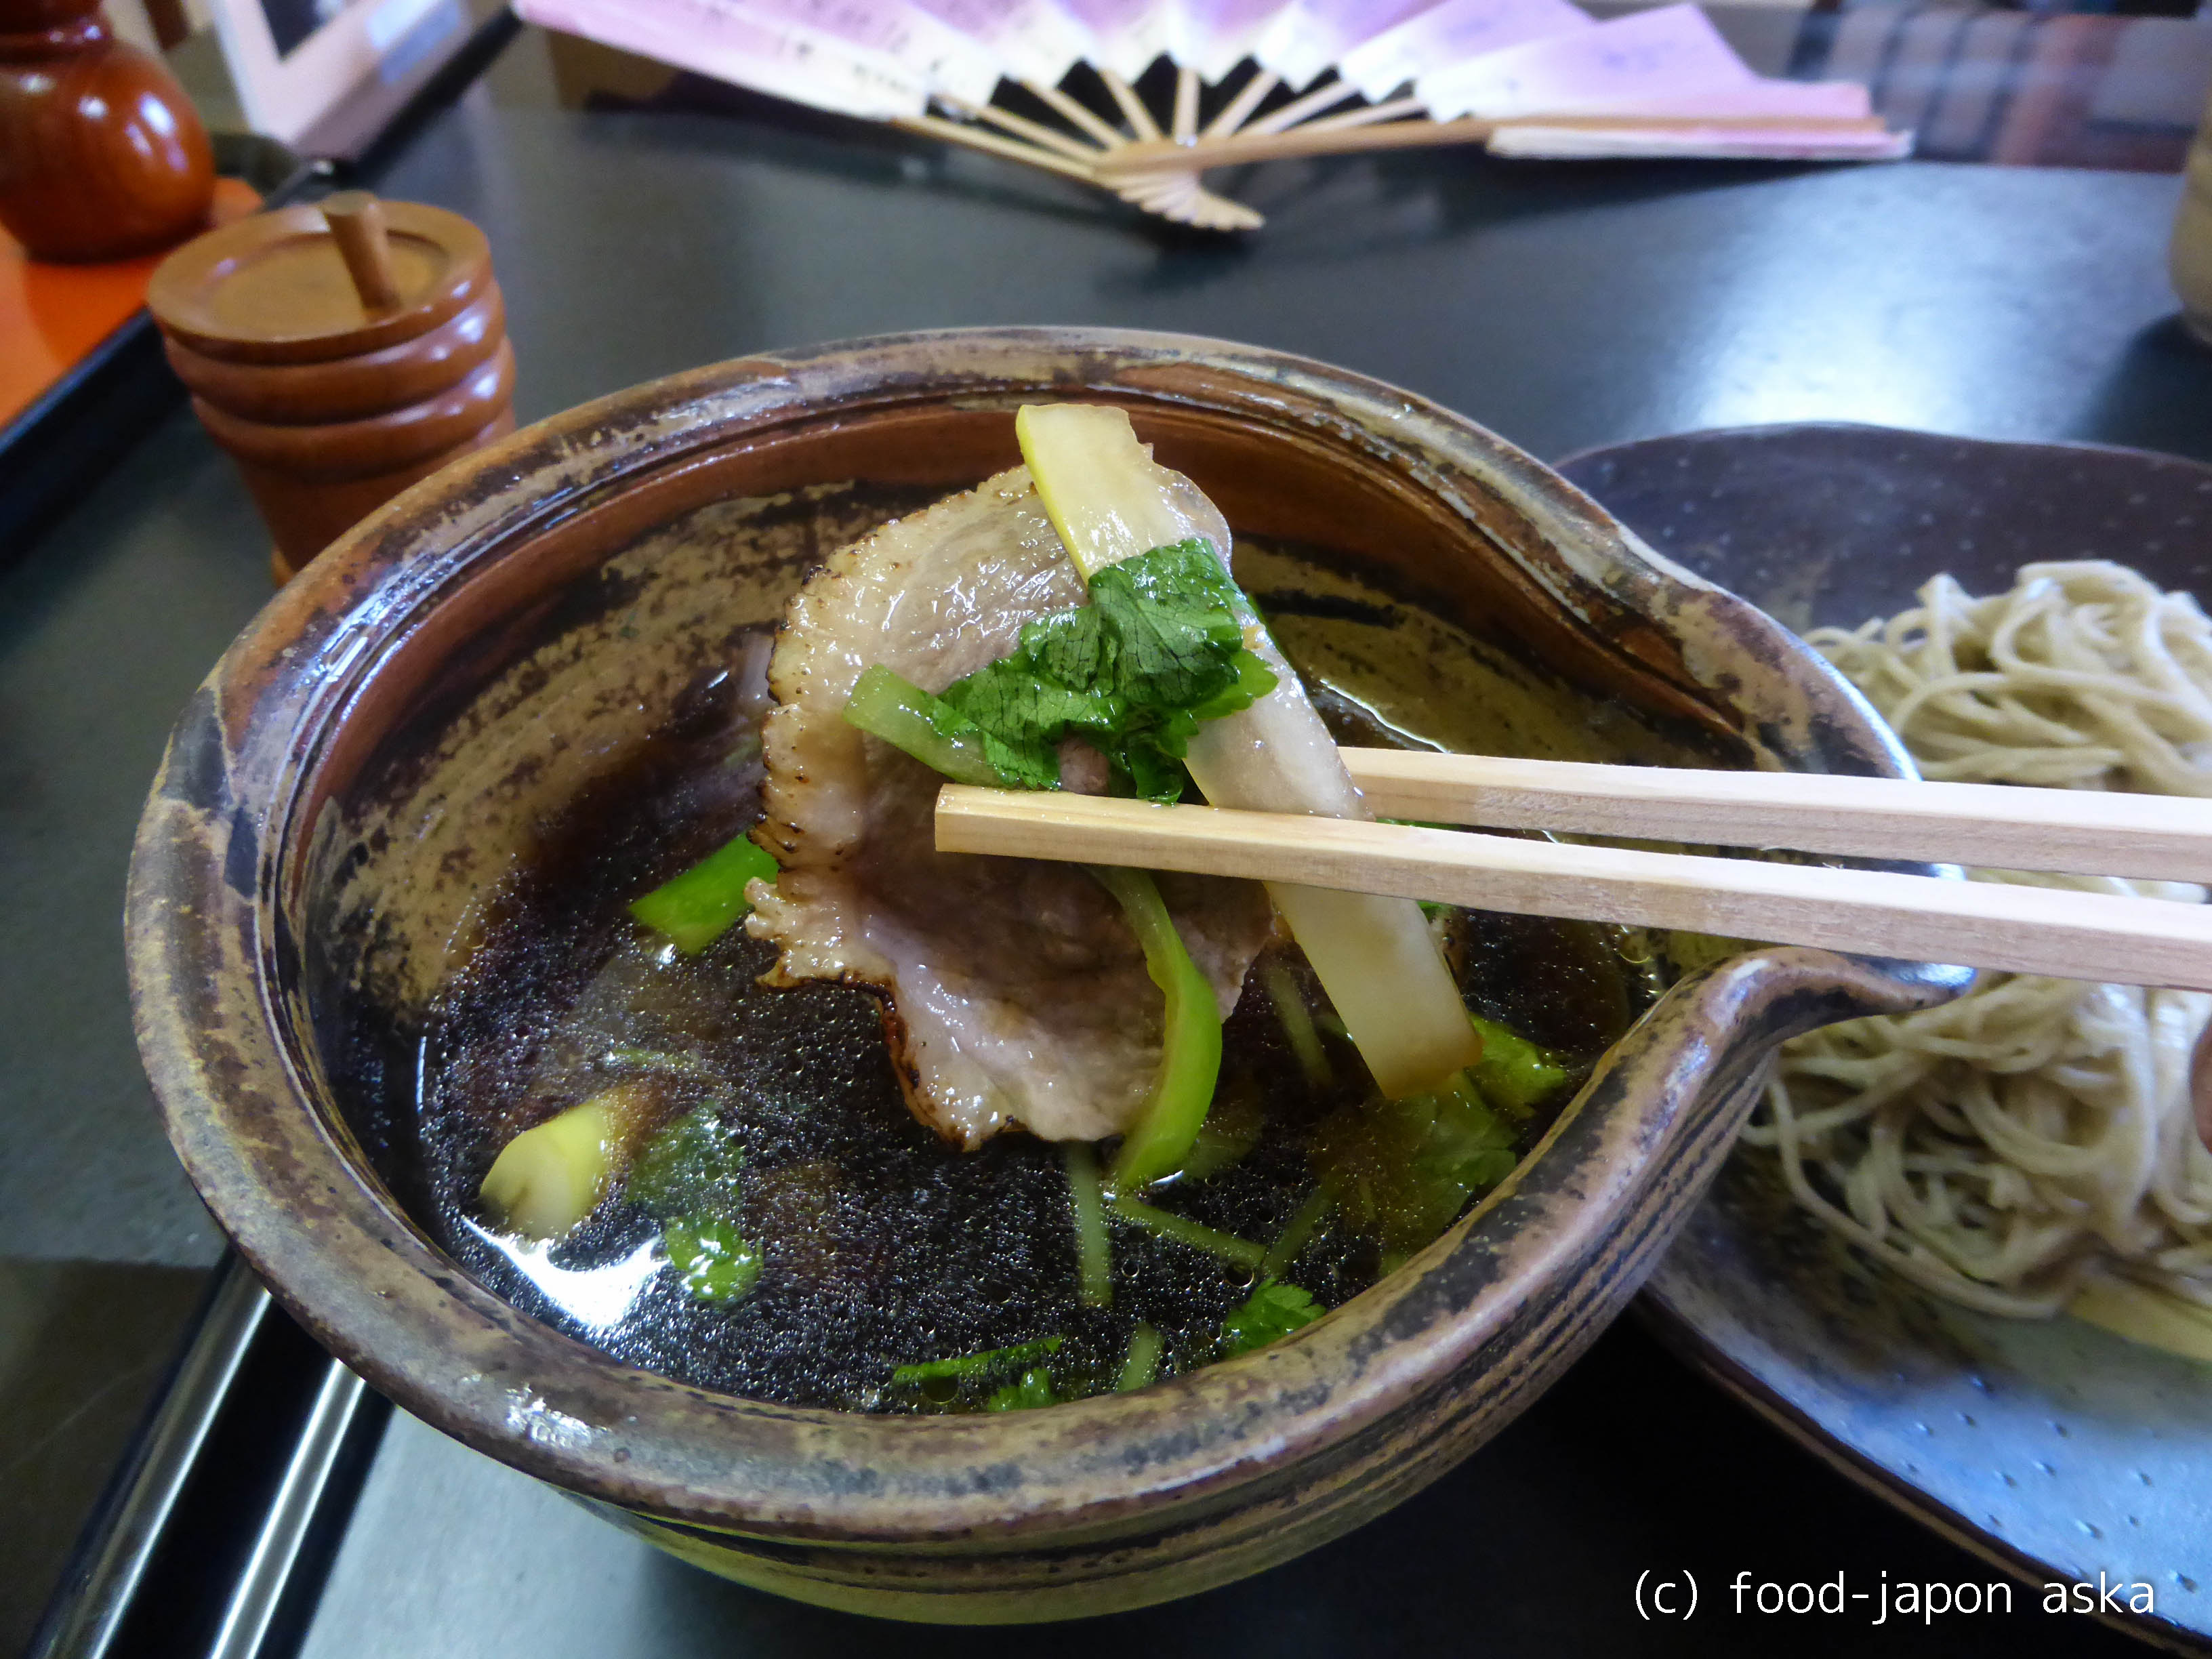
x=1032, y=40
x=1309, y=36
x=715, y=38
x=1214, y=36
x=1518, y=61
x=1125, y=35
x=1451, y=33
x=940, y=57
x=1537, y=143
x=1827, y=101
x=1674, y=52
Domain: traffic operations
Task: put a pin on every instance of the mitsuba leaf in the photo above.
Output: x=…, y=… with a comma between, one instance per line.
x=1157, y=652
x=1172, y=615
x=1514, y=1072
x=1035, y=1389
x=1403, y=1169
x=1023, y=714
x=688, y=1178
x=1273, y=1311
x=716, y=1262
x=691, y=1168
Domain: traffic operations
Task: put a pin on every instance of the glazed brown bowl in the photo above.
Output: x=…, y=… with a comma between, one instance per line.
x=387, y=739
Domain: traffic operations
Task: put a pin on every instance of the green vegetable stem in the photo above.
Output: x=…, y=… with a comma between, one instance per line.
x=1297, y=1022
x=698, y=907
x=1190, y=1049
x=1142, y=1367
x=978, y=1364
x=1093, y=1250
x=940, y=736
x=1164, y=1223
x=1299, y=1233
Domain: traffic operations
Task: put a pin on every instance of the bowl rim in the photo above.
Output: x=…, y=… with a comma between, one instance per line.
x=238, y=1094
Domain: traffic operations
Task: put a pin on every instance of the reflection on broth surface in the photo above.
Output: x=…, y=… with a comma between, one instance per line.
x=880, y=1246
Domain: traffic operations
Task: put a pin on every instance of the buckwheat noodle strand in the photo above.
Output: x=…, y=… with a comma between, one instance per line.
x=2004, y=1149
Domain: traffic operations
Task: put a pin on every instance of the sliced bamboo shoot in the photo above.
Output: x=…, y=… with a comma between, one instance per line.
x=547, y=1179
x=1101, y=487
x=1375, y=956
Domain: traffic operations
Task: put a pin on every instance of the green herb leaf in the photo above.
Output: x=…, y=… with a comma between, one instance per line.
x=1022, y=715
x=1157, y=652
x=686, y=1178
x=1172, y=614
x=1401, y=1171
x=1468, y=1144
x=689, y=1182
x=689, y=1168
x=1513, y=1071
x=1034, y=1389
x=717, y=1263
x=1274, y=1310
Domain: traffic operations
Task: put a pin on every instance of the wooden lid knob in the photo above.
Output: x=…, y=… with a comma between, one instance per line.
x=357, y=220
x=306, y=284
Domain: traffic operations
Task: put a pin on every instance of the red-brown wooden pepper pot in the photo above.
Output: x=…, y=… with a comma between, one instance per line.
x=102, y=154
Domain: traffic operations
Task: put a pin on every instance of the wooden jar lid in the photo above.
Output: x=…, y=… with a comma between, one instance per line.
x=274, y=288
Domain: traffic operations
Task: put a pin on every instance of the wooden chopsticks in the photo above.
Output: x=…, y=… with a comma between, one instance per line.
x=2079, y=831
x=1987, y=925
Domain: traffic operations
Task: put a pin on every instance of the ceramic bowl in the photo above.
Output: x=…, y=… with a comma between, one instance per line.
x=380, y=746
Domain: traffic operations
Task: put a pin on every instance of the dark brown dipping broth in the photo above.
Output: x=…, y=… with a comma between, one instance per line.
x=883, y=1245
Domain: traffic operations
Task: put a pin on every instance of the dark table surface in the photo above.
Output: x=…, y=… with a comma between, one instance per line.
x=1565, y=307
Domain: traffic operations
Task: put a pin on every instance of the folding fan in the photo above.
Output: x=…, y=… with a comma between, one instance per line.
x=1287, y=78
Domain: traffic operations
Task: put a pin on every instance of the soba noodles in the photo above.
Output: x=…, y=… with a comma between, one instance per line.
x=2036, y=1136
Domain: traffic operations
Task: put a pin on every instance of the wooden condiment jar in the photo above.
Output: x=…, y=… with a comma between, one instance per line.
x=340, y=353
x=102, y=154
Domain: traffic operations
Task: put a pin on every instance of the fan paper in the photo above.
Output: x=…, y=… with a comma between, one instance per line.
x=1524, y=77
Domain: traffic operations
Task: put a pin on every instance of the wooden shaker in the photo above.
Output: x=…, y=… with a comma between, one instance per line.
x=340, y=353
